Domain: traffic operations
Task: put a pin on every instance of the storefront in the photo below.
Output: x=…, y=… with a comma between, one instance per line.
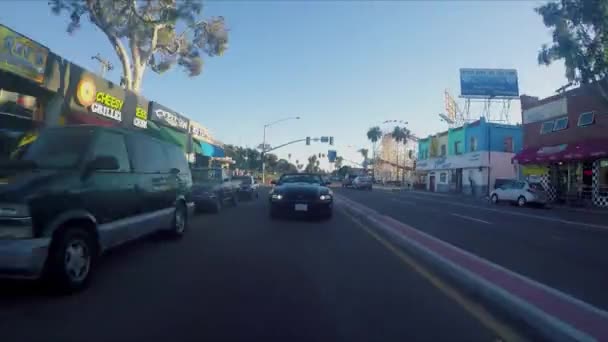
x=466, y=173
x=566, y=171
x=23, y=94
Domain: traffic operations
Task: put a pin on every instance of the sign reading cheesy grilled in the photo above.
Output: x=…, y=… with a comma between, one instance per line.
x=98, y=102
x=22, y=56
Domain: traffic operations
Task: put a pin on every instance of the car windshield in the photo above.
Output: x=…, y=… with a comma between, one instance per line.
x=243, y=179
x=310, y=179
x=56, y=148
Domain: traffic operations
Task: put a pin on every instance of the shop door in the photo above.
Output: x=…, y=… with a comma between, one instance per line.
x=459, y=180
x=431, y=183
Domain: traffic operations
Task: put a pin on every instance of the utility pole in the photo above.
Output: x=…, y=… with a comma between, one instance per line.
x=104, y=65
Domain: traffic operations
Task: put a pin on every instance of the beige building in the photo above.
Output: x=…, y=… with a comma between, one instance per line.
x=393, y=157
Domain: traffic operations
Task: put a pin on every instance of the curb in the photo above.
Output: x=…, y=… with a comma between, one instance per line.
x=541, y=322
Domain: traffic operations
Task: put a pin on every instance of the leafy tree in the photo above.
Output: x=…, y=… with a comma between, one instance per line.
x=338, y=162
x=580, y=38
x=312, y=164
x=154, y=33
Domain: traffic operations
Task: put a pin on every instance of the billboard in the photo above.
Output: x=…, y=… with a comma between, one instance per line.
x=489, y=83
x=22, y=56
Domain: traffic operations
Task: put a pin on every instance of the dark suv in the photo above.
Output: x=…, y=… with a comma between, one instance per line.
x=75, y=192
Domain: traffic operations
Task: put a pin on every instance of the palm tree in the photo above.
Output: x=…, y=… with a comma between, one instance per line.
x=364, y=153
x=374, y=134
x=400, y=135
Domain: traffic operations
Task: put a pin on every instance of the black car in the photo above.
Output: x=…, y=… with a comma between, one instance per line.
x=75, y=192
x=301, y=193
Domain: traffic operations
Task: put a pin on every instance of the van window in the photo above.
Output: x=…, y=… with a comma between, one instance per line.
x=177, y=159
x=56, y=148
x=112, y=144
x=148, y=155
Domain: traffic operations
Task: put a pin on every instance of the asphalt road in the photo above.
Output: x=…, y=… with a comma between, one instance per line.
x=565, y=250
x=240, y=276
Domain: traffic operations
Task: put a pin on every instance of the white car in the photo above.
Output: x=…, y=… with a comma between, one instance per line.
x=520, y=192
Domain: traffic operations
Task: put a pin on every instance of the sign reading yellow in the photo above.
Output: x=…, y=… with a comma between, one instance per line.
x=22, y=56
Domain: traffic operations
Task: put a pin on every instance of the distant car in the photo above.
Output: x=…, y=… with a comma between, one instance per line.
x=301, y=193
x=362, y=182
x=248, y=187
x=348, y=180
x=520, y=192
x=212, y=188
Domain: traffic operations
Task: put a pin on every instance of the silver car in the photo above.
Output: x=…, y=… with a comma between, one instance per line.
x=363, y=182
x=520, y=192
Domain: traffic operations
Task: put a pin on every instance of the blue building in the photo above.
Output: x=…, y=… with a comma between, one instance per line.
x=478, y=153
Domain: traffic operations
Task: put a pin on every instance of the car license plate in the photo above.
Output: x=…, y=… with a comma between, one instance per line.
x=301, y=207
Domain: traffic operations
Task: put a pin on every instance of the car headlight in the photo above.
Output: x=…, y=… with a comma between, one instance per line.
x=277, y=197
x=325, y=197
x=14, y=210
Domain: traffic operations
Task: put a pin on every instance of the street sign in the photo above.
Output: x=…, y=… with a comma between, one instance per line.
x=331, y=155
x=324, y=139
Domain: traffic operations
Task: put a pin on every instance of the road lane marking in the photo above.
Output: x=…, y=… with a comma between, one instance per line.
x=471, y=218
x=508, y=212
x=476, y=310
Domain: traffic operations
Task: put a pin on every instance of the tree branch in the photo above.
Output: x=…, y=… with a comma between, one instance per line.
x=115, y=41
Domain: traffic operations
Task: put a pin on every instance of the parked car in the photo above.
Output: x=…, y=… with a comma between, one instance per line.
x=348, y=180
x=362, y=182
x=520, y=192
x=213, y=188
x=301, y=193
x=248, y=187
x=75, y=192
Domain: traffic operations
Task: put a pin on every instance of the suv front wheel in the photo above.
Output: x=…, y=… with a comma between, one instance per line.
x=71, y=260
x=179, y=222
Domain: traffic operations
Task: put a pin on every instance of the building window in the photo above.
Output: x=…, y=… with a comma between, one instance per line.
x=473, y=145
x=508, y=144
x=457, y=147
x=443, y=177
x=560, y=124
x=443, y=150
x=586, y=119
x=547, y=127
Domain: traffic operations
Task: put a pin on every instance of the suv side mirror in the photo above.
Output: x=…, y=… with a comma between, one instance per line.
x=174, y=171
x=103, y=163
x=226, y=179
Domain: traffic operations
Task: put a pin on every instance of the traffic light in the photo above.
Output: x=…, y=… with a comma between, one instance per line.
x=331, y=140
x=307, y=140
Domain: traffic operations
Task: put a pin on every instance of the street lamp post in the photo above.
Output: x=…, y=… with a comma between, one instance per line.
x=264, y=143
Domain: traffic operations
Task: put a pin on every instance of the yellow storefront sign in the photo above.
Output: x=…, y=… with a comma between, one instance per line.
x=533, y=170
x=22, y=56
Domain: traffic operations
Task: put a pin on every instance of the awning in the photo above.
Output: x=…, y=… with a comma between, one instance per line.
x=218, y=152
x=210, y=150
x=169, y=135
x=584, y=150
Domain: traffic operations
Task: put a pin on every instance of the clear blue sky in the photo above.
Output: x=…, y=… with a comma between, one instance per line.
x=342, y=66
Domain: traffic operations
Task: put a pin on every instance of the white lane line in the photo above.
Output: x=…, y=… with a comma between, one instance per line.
x=538, y=217
x=470, y=218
